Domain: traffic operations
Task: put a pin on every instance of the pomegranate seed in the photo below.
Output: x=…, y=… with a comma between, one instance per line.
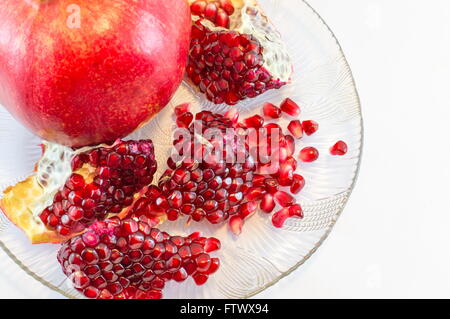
x=280, y=217
x=309, y=154
x=284, y=199
x=340, y=148
x=236, y=224
x=212, y=244
x=271, y=111
x=296, y=129
x=268, y=203
x=290, y=107
x=310, y=127
x=185, y=119
x=247, y=209
x=296, y=211
x=198, y=7
x=298, y=183
x=182, y=108
x=256, y=121
x=200, y=279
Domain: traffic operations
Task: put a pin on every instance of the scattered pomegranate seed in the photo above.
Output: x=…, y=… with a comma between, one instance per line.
x=181, y=109
x=309, y=154
x=296, y=211
x=340, y=148
x=268, y=203
x=280, y=217
x=310, y=127
x=298, y=182
x=290, y=107
x=271, y=111
x=236, y=224
x=255, y=121
x=185, y=119
x=296, y=129
x=284, y=199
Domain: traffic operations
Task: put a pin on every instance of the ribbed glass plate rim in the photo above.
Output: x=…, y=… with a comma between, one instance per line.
x=321, y=240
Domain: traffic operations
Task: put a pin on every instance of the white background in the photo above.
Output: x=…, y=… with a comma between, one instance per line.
x=393, y=237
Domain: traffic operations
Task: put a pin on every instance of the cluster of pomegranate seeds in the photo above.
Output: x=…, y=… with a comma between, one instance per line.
x=129, y=259
x=216, y=11
x=119, y=172
x=210, y=189
x=227, y=66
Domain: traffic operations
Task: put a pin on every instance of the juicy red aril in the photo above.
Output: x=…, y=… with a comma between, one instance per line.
x=181, y=109
x=296, y=129
x=267, y=203
x=298, y=182
x=284, y=199
x=236, y=224
x=309, y=154
x=255, y=121
x=290, y=107
x=120, y=171
x=125, y=266
x=340, y=148
x=310, y=127
x=280, y=217
x=184, y=119
x=271, y=111
x=296, y=211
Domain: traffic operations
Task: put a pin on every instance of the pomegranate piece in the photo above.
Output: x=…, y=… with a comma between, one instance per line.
x=290, y=107
x=120, y=171
x=310, y=127
x=229, y=65
x=81, y=185
x=309, y=154
x=296, y=129
x=129, y=259
x=340, y=148
x=271, y=111
x=183, y=120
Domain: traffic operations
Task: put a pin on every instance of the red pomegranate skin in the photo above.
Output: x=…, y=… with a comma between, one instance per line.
x=81, y=72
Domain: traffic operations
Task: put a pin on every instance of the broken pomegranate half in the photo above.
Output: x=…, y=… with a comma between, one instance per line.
x=236, y=52
x=130, y=259
x=72, y=188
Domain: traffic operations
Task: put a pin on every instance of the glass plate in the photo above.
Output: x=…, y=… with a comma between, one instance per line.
x=324, y=87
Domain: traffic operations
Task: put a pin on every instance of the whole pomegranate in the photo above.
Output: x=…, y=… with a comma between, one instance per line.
x=89, y=71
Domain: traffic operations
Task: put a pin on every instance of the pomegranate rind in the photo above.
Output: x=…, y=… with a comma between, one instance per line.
x=15, y=205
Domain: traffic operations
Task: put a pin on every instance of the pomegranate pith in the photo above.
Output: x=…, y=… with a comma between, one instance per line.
x=129, y=259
